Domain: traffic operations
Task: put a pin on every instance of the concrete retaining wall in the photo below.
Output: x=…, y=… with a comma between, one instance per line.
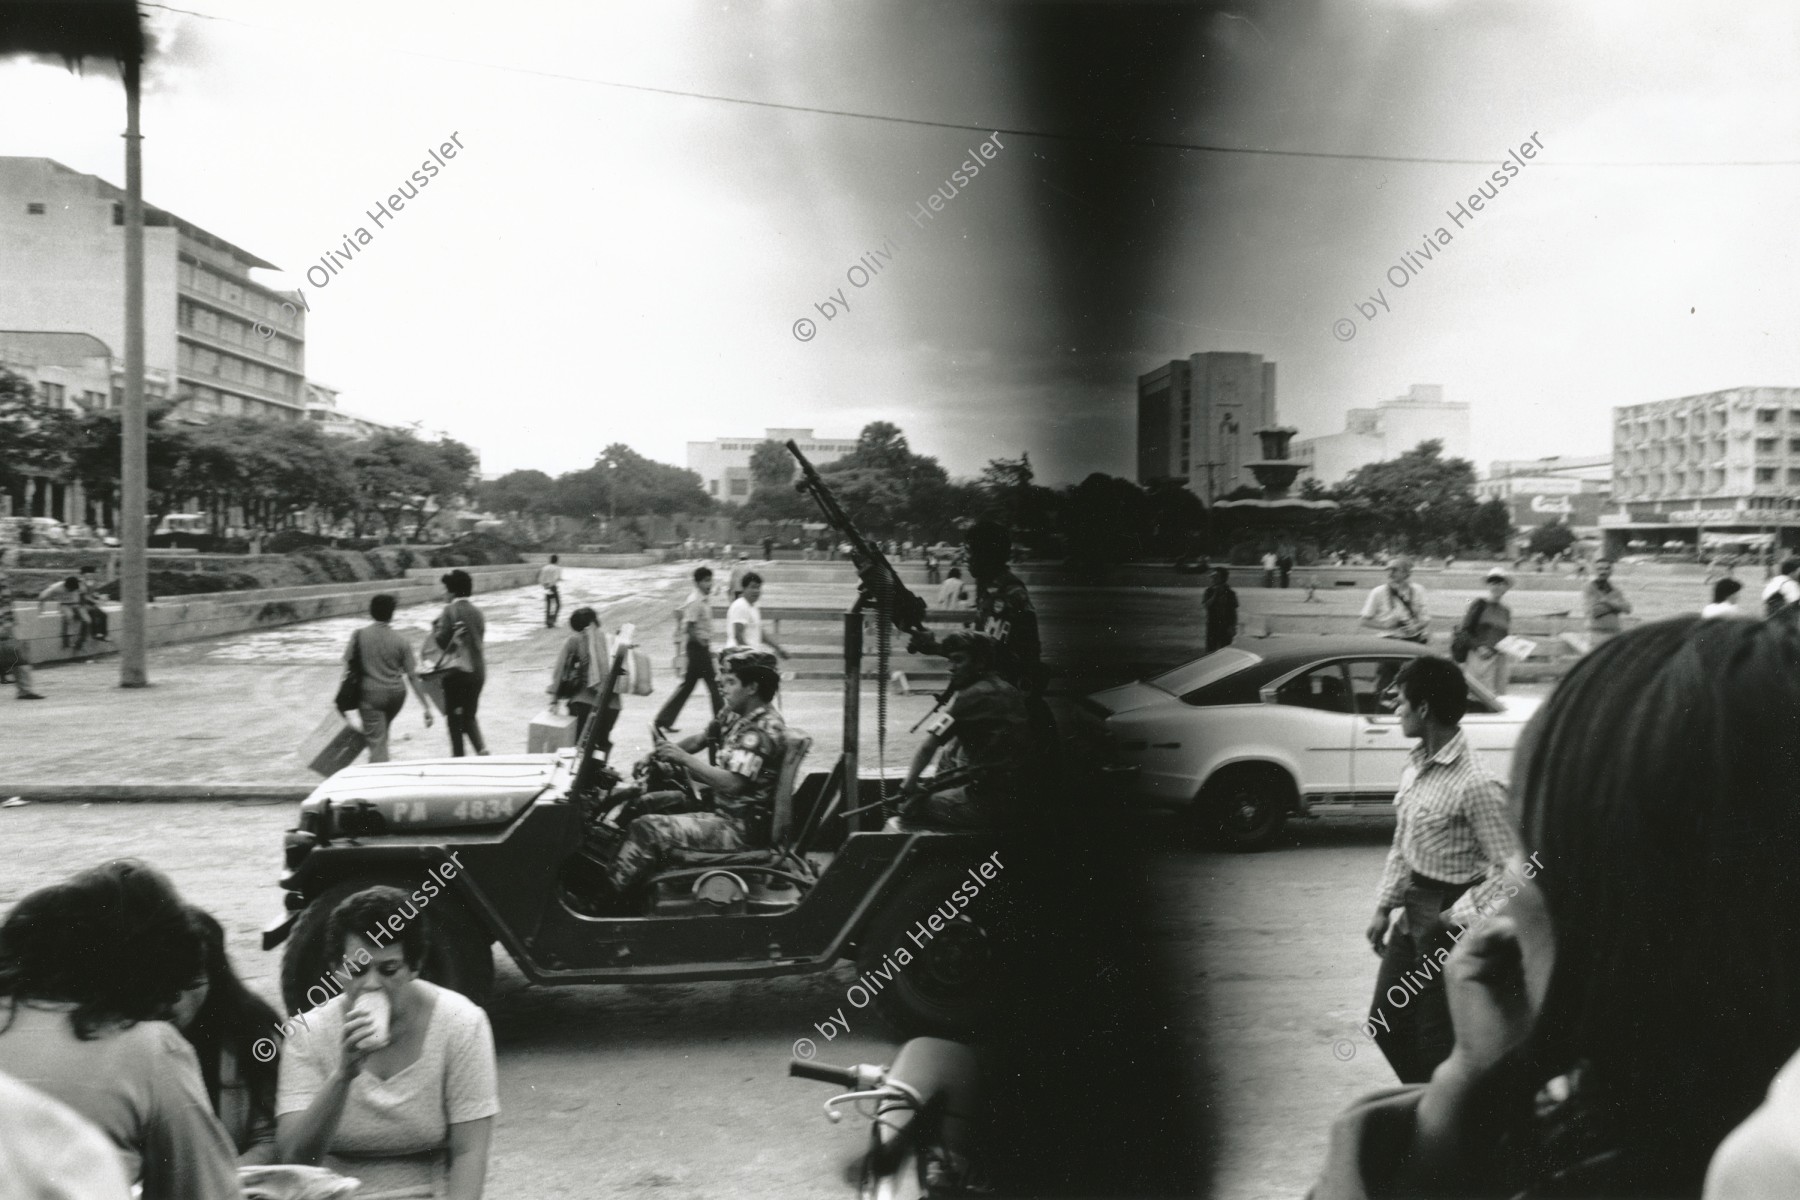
x=191, y=618
x=598, y=560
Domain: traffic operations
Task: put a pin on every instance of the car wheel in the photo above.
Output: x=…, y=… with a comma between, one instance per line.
x=1247, y=806
x=949, y=985
x=460, y=956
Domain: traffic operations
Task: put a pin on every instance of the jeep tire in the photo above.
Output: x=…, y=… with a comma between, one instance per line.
x=950, y=986
x=460, y=956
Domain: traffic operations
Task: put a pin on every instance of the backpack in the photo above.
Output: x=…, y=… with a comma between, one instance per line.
x=1462, y=639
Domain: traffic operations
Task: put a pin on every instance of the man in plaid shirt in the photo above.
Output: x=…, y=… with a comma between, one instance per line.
x=1452, y=841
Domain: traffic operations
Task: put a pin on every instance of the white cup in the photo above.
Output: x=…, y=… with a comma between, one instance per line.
x=375, y=1003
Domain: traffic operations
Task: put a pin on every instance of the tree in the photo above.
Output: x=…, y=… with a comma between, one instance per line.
x=1104, y=519
x=516, y=493
x=880, y=446
x=1409, y=502
x=771, y=467
x=1550, y=539
x=1491, y=526
x=35, y=439
x=398, y=475
x=96, y=458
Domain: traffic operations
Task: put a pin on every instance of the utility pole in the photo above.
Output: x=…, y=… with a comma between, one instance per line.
x=134, y=579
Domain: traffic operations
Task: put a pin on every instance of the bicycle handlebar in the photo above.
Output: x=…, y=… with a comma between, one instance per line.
x=801, y=1068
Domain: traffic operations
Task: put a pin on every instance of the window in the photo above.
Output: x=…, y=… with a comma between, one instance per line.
x=740, y=487
x=1765, y=416
x=1793, y=476
x=712, y=485
x=1765, y=474
x=34, y=210
x=1322, y=688
x=1370, y=680
x=1765, y=445
x=1794, y=445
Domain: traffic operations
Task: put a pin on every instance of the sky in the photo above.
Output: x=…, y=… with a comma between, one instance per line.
x=604, y=263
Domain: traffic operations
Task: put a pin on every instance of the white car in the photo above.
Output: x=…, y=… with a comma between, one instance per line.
x=1251, y=734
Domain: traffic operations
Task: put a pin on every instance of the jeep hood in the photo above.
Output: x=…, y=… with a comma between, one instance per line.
x=515, y=780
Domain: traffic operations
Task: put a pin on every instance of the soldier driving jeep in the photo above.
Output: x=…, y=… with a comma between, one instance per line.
x=638, y=828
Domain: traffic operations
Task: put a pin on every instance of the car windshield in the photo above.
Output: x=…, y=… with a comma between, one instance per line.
x=1202, y=671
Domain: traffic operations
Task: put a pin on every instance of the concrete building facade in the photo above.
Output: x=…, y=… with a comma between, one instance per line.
x=322, y=409
x=724, y=465
x=1197, y=420
x=1387, y=431
x=62, y=257
x=1723, y=463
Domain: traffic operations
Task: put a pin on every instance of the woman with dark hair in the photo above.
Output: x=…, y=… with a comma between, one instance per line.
x=1632, y=1000
x=393, y=1080
x=88, y=970
x=223, y=1020
x=460, y=634
x=386, y=666
x=581, y=666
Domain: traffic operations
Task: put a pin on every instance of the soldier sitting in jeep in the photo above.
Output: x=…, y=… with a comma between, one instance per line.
x=646, y=826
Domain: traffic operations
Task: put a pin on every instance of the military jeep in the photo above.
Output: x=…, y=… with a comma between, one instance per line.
x=483, y=844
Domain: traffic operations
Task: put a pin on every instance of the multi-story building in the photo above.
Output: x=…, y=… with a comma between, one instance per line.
x=62, y=257
x=724, y=465
x=1723, y=463
x=76, y=372
x=1387, y=431
x=1197, y=420
x=1570, y=490
x=322, y=409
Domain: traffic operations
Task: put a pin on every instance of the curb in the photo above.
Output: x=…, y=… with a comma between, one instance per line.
x=137, y=793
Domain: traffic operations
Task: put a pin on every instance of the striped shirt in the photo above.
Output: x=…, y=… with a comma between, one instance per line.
x=1452, y=826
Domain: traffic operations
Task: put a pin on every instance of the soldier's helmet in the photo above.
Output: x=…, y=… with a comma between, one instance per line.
x=754, y=667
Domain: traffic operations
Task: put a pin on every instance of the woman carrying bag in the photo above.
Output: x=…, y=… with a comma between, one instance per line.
x=581, y=666
x=1476, y=642
x=378, y=666
x=459, y=633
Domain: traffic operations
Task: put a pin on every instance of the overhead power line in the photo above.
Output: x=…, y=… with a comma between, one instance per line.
x=1104, y=139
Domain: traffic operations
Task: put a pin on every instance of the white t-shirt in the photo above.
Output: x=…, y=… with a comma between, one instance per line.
x=1724, y=608
x=952, y=594
x=1790, y=591
x=551, y=575
x=744, y=613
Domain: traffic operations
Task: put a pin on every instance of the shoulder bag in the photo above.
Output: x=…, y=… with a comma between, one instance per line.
x=1463, y=639
x=349, y=693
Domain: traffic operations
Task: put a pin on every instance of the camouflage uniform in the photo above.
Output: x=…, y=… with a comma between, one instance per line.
x=989, y=728
x=749, y=746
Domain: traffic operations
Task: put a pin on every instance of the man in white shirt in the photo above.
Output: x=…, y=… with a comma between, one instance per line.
x=954, y=593
x=1397, y=607
x=550, y=578
x=743, y=620
x=1782, y=590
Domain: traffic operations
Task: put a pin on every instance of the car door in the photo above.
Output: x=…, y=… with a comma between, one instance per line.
x=1379, y=750
x=1315, y=726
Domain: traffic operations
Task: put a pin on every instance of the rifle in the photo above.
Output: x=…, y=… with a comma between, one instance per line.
x=589, y=770
x=880, y=583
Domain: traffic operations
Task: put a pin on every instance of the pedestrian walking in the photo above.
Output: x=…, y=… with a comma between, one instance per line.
x=734, y=585
x=1476, y=642
x=460, y=634
x=14, y=661
x=1284, y=565
x=1783, y=587
x=384, y=666
x=1397, y=607
x=954, y=593
x=1724, y=601
x=580, y=667
x=743, y=620
x=931, y=568
x=1270, y=565
x=550, y=579
x=1604, y=603
x=694, y=620
x=1220, y=604
x=1452, y=833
